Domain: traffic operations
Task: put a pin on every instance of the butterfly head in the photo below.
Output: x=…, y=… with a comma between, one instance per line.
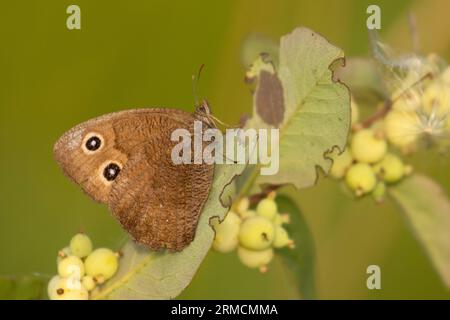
x=203, y=113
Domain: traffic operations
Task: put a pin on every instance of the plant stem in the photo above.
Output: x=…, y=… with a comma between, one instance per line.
x=380, y=113
x=248, y=183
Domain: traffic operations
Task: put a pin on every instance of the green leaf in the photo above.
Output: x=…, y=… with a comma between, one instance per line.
x=299, y=261
x=317, y=109
x=29, y=287
x=427, y=209
x=144, y=274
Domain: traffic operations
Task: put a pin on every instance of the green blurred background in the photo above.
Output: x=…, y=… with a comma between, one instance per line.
x=143, y=53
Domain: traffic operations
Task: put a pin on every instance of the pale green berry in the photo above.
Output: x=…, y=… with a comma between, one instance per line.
x=281, y=238
x=367, y=146
x=255, y=259
x=71, y=266
x=379, y=192
x=402, y=129
x=66, y=289
x=436, y=99
x=227, y=232
x=267, y=208
x=88, y=283
x=80, y=245
x=391, y=168
x=243, y=205
x=256, y=233
x=102, y=263
x=52, y=286
x=341, y=163
x=281, y=218
x=361, y=178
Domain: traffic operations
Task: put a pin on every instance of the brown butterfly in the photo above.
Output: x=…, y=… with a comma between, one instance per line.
x=123, y=159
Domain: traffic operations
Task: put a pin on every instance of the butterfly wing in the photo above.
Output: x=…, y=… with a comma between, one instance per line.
x=118, y=134
x=155, y=200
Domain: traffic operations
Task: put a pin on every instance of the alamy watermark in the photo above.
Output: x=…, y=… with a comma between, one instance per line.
x=374, y=279
x=73, y=21
x=241, y=146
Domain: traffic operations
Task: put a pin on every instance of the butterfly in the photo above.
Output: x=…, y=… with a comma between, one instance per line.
x=123, y=160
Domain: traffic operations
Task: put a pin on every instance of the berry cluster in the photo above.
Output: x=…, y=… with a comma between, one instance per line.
x=367, y=165
x=81, y=269
x=417, y=115
x=253, y=232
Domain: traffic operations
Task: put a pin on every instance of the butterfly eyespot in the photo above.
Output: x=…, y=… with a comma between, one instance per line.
x=111, y=171
x=92, y=142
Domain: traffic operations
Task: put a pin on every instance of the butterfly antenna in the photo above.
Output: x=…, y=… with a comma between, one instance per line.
x=220, y=121
x=195, y=81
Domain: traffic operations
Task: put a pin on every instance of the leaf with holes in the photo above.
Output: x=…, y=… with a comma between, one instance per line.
x=314, y=108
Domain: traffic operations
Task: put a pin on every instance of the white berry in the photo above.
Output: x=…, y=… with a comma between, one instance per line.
x=267, y=208
x=282, y=238
x=255, y=259
x=80, y=245
x=102, y=264
x=227, y=232
x=256, y=233
x=361, y=178
x=88, y=283
x=391, y=168
x=368, y=146
x=341, y=163
x=66, y=289
x=71, y=266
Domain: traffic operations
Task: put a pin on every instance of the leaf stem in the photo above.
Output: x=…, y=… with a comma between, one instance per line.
x=248, y=183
